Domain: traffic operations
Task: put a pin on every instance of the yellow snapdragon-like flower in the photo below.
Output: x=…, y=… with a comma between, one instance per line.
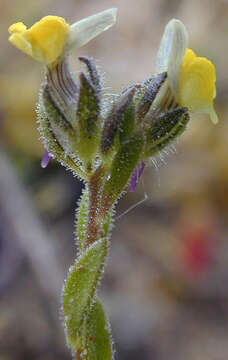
x=191, y=78
x=197, y=84
x=52, y=37
x=44, y=41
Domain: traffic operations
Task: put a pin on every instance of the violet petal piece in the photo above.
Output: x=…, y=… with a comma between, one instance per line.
x=46, y=158
x=133, y=182
x=141, y=168
x=137, y=173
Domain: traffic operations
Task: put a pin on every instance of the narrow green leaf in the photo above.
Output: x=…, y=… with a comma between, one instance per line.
x=80, y=288
x=97, y=338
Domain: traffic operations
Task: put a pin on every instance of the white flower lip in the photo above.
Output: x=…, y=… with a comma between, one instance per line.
x=172, y=51
x=81, y=32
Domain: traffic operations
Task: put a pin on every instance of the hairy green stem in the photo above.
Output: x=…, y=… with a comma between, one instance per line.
x=93, y=225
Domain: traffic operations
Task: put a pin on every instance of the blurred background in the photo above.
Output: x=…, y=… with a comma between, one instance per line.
x=166, y=283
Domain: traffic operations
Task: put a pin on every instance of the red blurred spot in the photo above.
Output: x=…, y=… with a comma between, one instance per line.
x=198, y=250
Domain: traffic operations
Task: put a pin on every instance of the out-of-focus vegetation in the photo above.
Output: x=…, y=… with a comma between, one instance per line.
x=166, y=285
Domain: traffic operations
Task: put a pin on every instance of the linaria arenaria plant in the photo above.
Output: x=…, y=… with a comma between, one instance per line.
x=107, y=145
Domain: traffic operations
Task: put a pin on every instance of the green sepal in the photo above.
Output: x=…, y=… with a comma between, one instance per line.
x=93, y=74
x=115, y=118
x=122, y=167
x=165, y=129
x=88, y=111
x=127, y=124
x=96, y=337
x=147, y=94
x=47, y=135
x=80, y=287
x=52, y=145
x=61, y=128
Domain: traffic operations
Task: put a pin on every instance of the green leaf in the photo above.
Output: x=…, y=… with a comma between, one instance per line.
x=80, y=287
x=97, y=338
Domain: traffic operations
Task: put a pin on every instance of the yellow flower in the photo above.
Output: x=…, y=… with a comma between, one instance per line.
x=51, y=38
x=197, y=84
x=191, y=78
x=44, y=41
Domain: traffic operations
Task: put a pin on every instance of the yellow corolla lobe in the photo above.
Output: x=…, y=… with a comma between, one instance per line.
x=17, y=28
x=44, y=41
x=197, y=84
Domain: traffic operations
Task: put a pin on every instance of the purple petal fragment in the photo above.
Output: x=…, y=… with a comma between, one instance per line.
x=133, y=182
x=46, y=158
x=137, y=173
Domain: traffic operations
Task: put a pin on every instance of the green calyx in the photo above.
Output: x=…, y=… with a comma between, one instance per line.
x=122, y=167
x=165, y=129
x=119, y=123
x=88, y=124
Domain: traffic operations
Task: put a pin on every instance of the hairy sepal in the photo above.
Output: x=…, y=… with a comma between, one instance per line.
x=88, y=123
x=165, y=129
x=122, y=167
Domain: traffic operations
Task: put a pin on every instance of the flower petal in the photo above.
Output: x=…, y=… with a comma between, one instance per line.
x=17, y=28
x=172, y=51
x=21, y=43
x=137, y=173
x=46, y=158
x=44, y=41
x=197, y=85
x=81, y=32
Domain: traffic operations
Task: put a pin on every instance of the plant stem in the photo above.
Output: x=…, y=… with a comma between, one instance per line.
x=94, y=202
